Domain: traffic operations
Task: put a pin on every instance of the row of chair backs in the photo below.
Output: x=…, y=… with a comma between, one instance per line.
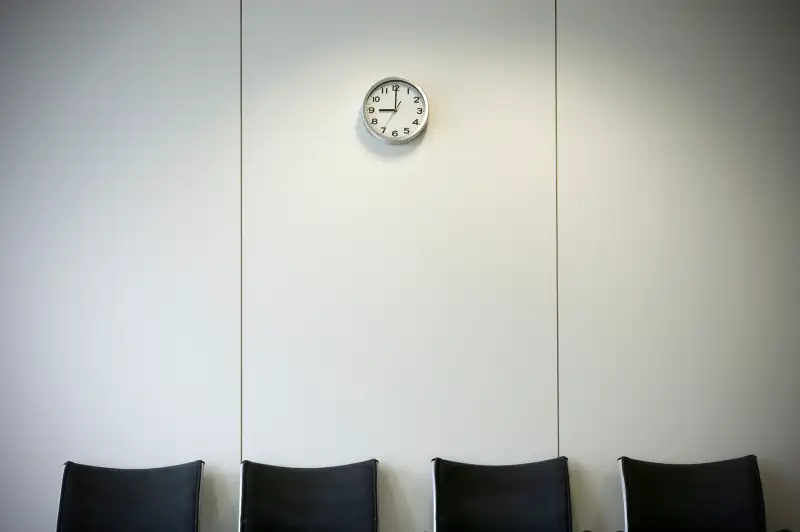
x=720, y=496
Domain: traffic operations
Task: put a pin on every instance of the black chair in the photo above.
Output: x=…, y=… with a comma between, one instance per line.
x=716, y=496
x=101, y=499
x=327, y=499
x=509, y=498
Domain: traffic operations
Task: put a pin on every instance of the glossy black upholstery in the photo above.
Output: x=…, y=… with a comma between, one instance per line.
x=100, y=499
x=531, y=497
x=329, y=499
x=724, y=496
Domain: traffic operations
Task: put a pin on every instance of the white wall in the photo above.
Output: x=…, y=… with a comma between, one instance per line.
x=119, y=239
x=399, y=301
x=679, y=218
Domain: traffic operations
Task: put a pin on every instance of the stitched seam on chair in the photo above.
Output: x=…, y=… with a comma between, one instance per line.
x=568, y=494
x=375, y=524
x=67, y=465
x=198, y=486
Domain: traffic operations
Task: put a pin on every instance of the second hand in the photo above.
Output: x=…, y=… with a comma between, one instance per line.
x=395, y=112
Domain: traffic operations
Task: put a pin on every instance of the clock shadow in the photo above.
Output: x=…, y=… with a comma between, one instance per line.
x=382, y=149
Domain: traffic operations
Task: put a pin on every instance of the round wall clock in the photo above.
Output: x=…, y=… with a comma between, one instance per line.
x=395, y=110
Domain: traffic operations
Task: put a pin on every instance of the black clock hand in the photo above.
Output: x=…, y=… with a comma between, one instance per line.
x=392, y=110
x=395, y=100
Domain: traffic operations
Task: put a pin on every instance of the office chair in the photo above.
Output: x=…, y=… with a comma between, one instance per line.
x=716, y=496
x=326, y=499
x=101, y=499
x=531, y=497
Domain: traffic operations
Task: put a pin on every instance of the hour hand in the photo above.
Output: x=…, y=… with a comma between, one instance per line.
x=386, y=110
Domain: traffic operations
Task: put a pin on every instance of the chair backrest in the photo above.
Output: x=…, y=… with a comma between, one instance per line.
x=531, y=497
x=724, y=496
x=327, y=499
x=100, y=499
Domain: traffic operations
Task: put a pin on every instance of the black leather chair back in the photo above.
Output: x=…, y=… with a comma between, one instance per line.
x=531, y=497
x=100, y=499
x=328, y=499
x=718, y=496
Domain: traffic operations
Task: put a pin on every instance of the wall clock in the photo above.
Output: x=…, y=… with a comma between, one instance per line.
x=395, y=110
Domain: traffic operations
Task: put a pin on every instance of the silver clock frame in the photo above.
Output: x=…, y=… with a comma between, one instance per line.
x=378, y=136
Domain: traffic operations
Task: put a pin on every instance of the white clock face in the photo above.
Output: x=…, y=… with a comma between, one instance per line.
x=395, y=110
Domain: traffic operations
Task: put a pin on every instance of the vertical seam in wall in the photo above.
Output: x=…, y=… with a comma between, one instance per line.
x=558, y=313
x=241, y=251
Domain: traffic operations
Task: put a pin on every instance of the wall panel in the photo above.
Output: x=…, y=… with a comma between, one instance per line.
x=679, y=248
x=399, y=301
x=119, y=246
